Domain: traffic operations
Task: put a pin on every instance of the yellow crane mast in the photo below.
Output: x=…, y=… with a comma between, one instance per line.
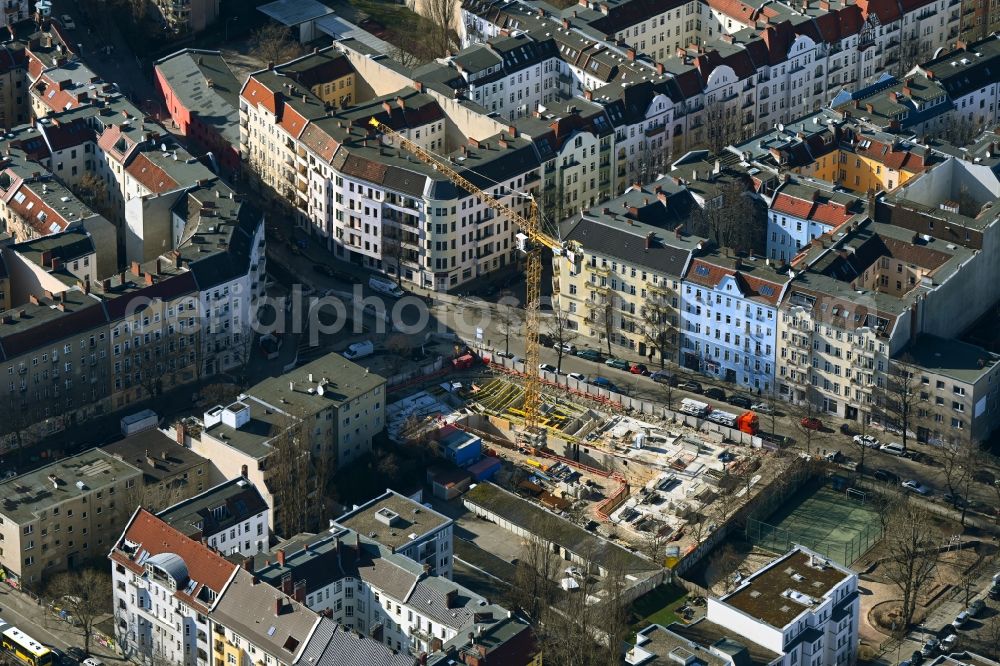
x=534, y=240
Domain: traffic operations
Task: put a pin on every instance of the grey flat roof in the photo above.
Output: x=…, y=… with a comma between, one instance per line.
x=25, y=495
x=549, y=526
x=345, y=382
x=294, y=12
x=372, y=519
x=958, y=360
x=157, y=455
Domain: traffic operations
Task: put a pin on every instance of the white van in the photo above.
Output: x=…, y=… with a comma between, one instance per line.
x=359, y=350
x=384, y=286
x=893, y=449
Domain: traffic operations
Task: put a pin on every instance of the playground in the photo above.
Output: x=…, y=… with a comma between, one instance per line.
x=839, y=524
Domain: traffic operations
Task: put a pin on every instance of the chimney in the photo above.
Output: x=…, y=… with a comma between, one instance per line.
x=281, y=557
x=243, y=471
x=659, y=68
x=565, y=24
x=649, y=240
x=277, y=606
x=418, y=86
x=148, y=277
x=286, y=584
x=588, y=95
x=422, y=659
x=727, y=38
x=56, y=264
x=180, y=430
x=46, y=257
x=400, y=102
x=136, y=271
x=630, y=54
x=300, y=592
x=387, y=107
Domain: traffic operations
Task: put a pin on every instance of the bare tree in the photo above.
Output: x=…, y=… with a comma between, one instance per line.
x=290, y=476
x=911, y=543
x=532, y=589
x=442, y=15
x=654, y=542
x=562, y=334
x=509, y=321
x=274, y=43
x=86, y=594
x=724, y=562
x=990, y=637
x=955, y=458
x=901, y=397
x=735, y=219
x=859, y=441
x=912, y=52
x=93, y=191
x=805, y=417
x=722, y=126
x=659, y=323
x=603, y=314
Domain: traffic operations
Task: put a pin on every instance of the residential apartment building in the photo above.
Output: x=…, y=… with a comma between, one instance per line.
x=799, y=608
x=231, y=517
x=170, y=473
x=15, y=11
x=623, y=269
x=730, y=319
x=201, y=94
x=958, y=390
x=364, y=586
x=335, y=404
x=61, y=515
x=13, y=85
x=177, y=599
x=968, y=74
x=406, y=527
x=801, y=212
x=376, y=205
x=165, y=584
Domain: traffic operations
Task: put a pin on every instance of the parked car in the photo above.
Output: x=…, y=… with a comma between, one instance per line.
x=715, y=393
x=664, y=377
x=60, y=656
x=892, y=448
x=545, y=340
x=835, y=457
x=504, y=354
x=866, y=440
x=620, y=364
x=639, y=369
x=994, y=592
x=604, y=383
x=886, y=476
x=76, y=653
x=960, y=620
x=762, y=408
x=930, y=647
x=547, y=367
x=955, y=500
x=590, y=355
x=976, y=607
x=949, y=643
x=68, y=22
x=916, y=486
x=578, y=376
x=740, y=401
x=811, y=423
x=92, y=661
x=568, y=348
x=691, y=386
x=917, y=658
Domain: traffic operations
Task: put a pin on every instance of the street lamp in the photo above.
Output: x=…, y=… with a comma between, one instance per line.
x=231, y=18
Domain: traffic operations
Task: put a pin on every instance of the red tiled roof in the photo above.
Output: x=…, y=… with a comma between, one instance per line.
x=316, y=139
x=150, y=175
x=750, y=285
x=886, y=10
x=154, y=536
x=256, y=93
x=826, y=212
x=897, y=160
x=29, y=208
x=292, y=121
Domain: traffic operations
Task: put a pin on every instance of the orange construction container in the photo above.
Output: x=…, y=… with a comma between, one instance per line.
x=747, y=422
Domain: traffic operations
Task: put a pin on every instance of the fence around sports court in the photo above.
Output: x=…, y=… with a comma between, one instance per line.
x=833, y=522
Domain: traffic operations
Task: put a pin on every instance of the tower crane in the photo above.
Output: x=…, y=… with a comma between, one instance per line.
x=531, y=240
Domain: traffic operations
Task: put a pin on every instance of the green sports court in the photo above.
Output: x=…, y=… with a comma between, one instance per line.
x=839, y=524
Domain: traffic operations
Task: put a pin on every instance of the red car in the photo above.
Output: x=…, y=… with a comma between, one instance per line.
x=639, y=369
x=811, y=423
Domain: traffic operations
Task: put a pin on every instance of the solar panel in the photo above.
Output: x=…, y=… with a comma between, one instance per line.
x=701, y=270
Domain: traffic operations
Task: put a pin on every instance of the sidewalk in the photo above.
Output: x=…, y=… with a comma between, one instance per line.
x=37, y=621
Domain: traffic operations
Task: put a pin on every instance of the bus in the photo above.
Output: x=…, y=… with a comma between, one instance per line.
x=24, y=647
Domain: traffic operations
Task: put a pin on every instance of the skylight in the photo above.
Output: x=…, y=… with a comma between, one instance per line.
x=701, y=270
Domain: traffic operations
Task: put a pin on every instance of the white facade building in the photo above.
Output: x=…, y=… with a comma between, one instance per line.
x=801, y=606
x=800, y=213
x=729, y=320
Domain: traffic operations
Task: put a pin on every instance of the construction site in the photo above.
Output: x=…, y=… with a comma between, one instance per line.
x=635, y=477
